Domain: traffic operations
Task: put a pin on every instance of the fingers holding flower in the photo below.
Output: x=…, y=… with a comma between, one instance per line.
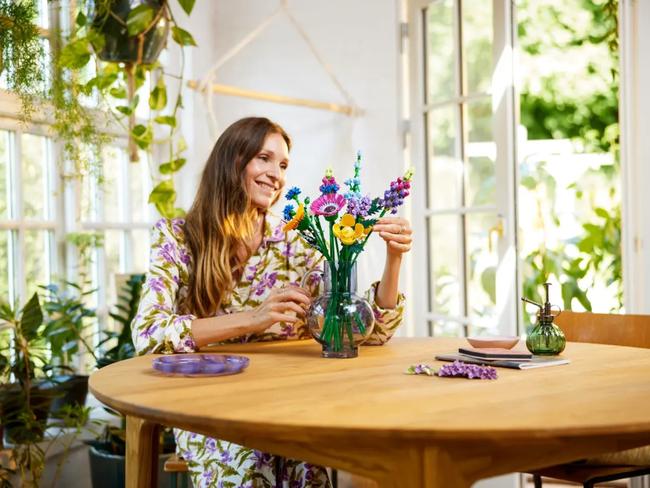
x=397, y=233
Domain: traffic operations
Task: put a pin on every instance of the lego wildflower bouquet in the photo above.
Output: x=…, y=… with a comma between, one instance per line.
x=338, y=225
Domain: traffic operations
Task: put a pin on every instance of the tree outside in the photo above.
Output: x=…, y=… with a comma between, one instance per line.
x=569, y=196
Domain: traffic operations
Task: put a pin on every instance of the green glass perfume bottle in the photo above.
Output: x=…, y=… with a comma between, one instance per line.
x=546, y=338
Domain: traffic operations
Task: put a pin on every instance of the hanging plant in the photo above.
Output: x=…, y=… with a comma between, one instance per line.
x=21, y=52
x=119, y=42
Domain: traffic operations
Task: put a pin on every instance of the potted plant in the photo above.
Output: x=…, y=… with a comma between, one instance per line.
x=24, y=399
x=66, y=321
x=124, y=313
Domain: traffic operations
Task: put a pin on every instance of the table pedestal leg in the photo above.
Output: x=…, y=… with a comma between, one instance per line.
x=141, y=453
x=426, y=467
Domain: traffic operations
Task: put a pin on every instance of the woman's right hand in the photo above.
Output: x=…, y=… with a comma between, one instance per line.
x=278, y=307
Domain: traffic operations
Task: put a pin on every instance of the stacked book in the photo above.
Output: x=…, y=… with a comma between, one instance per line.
x=505, y=358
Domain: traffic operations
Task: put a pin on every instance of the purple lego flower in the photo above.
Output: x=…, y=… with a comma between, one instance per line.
x=471, y=371
x=420, y=369
x=394, y=197
x=359, y=206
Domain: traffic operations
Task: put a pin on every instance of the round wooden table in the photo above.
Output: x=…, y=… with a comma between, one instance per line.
x=366, y=416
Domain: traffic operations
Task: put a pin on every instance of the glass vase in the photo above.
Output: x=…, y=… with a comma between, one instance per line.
x=546, y=339
x=339, y=319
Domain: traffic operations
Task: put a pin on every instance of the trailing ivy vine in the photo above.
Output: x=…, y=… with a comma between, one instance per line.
x=118, y=88
x=21, y=52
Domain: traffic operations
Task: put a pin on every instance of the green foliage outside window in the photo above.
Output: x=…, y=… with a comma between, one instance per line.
x=583, y=107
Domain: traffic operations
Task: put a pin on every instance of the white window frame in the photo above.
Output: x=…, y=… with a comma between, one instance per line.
x=16, y=224
x=634, y=106
x=505, y=120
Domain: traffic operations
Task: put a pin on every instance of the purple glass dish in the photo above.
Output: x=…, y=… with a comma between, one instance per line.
x=200, y=364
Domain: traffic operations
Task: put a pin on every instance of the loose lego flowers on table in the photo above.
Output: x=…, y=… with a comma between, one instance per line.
x=420, y=368
x=348, y=231
x=471, y=371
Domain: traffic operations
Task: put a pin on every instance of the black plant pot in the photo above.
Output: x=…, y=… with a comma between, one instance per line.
x=108, y=470
x=73, y=390
x=118, y=46
x=12, y=401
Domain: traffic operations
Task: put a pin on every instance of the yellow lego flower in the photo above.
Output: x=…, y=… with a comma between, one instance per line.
x=295, y=221
x=348, y=231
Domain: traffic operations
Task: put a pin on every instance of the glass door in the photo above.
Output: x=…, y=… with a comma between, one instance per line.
x=463, y=112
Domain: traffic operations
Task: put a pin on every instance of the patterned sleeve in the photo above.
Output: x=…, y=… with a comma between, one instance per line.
x=387, y=320
x=157, y=327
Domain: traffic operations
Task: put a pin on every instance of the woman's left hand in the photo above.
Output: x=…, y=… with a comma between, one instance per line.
x=397, y=233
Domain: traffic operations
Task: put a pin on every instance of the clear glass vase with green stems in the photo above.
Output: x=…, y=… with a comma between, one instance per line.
x=339, y=319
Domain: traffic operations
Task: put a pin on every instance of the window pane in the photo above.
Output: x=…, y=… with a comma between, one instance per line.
x=36, y=260
x=481, y=270
x=445, y=249
x=43, y=14
x=139, y=185
x=4, y=264
x=446, y=328
x=481, y=154
x=477, y=45
x=140, y=257
x=34, y=182
x=440, y=49
x=87, y=199
x=5, y=156
x=113, y=250
x=113, y=198
x=445, y=167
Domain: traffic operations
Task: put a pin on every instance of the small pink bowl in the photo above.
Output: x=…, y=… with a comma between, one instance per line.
x=504, y=342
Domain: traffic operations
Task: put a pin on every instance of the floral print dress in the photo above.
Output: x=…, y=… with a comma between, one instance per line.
x=281, y=259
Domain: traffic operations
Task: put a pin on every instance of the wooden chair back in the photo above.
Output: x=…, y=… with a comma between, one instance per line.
x=605, y=328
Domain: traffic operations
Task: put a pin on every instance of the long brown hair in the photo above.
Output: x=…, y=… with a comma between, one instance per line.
x=221, y=219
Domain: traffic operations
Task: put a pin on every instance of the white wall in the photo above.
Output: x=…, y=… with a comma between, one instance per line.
x=358, y=40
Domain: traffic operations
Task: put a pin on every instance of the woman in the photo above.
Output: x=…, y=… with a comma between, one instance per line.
x=227, y=273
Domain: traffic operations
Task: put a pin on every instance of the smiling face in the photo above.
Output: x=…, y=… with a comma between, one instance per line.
x=264, y=175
